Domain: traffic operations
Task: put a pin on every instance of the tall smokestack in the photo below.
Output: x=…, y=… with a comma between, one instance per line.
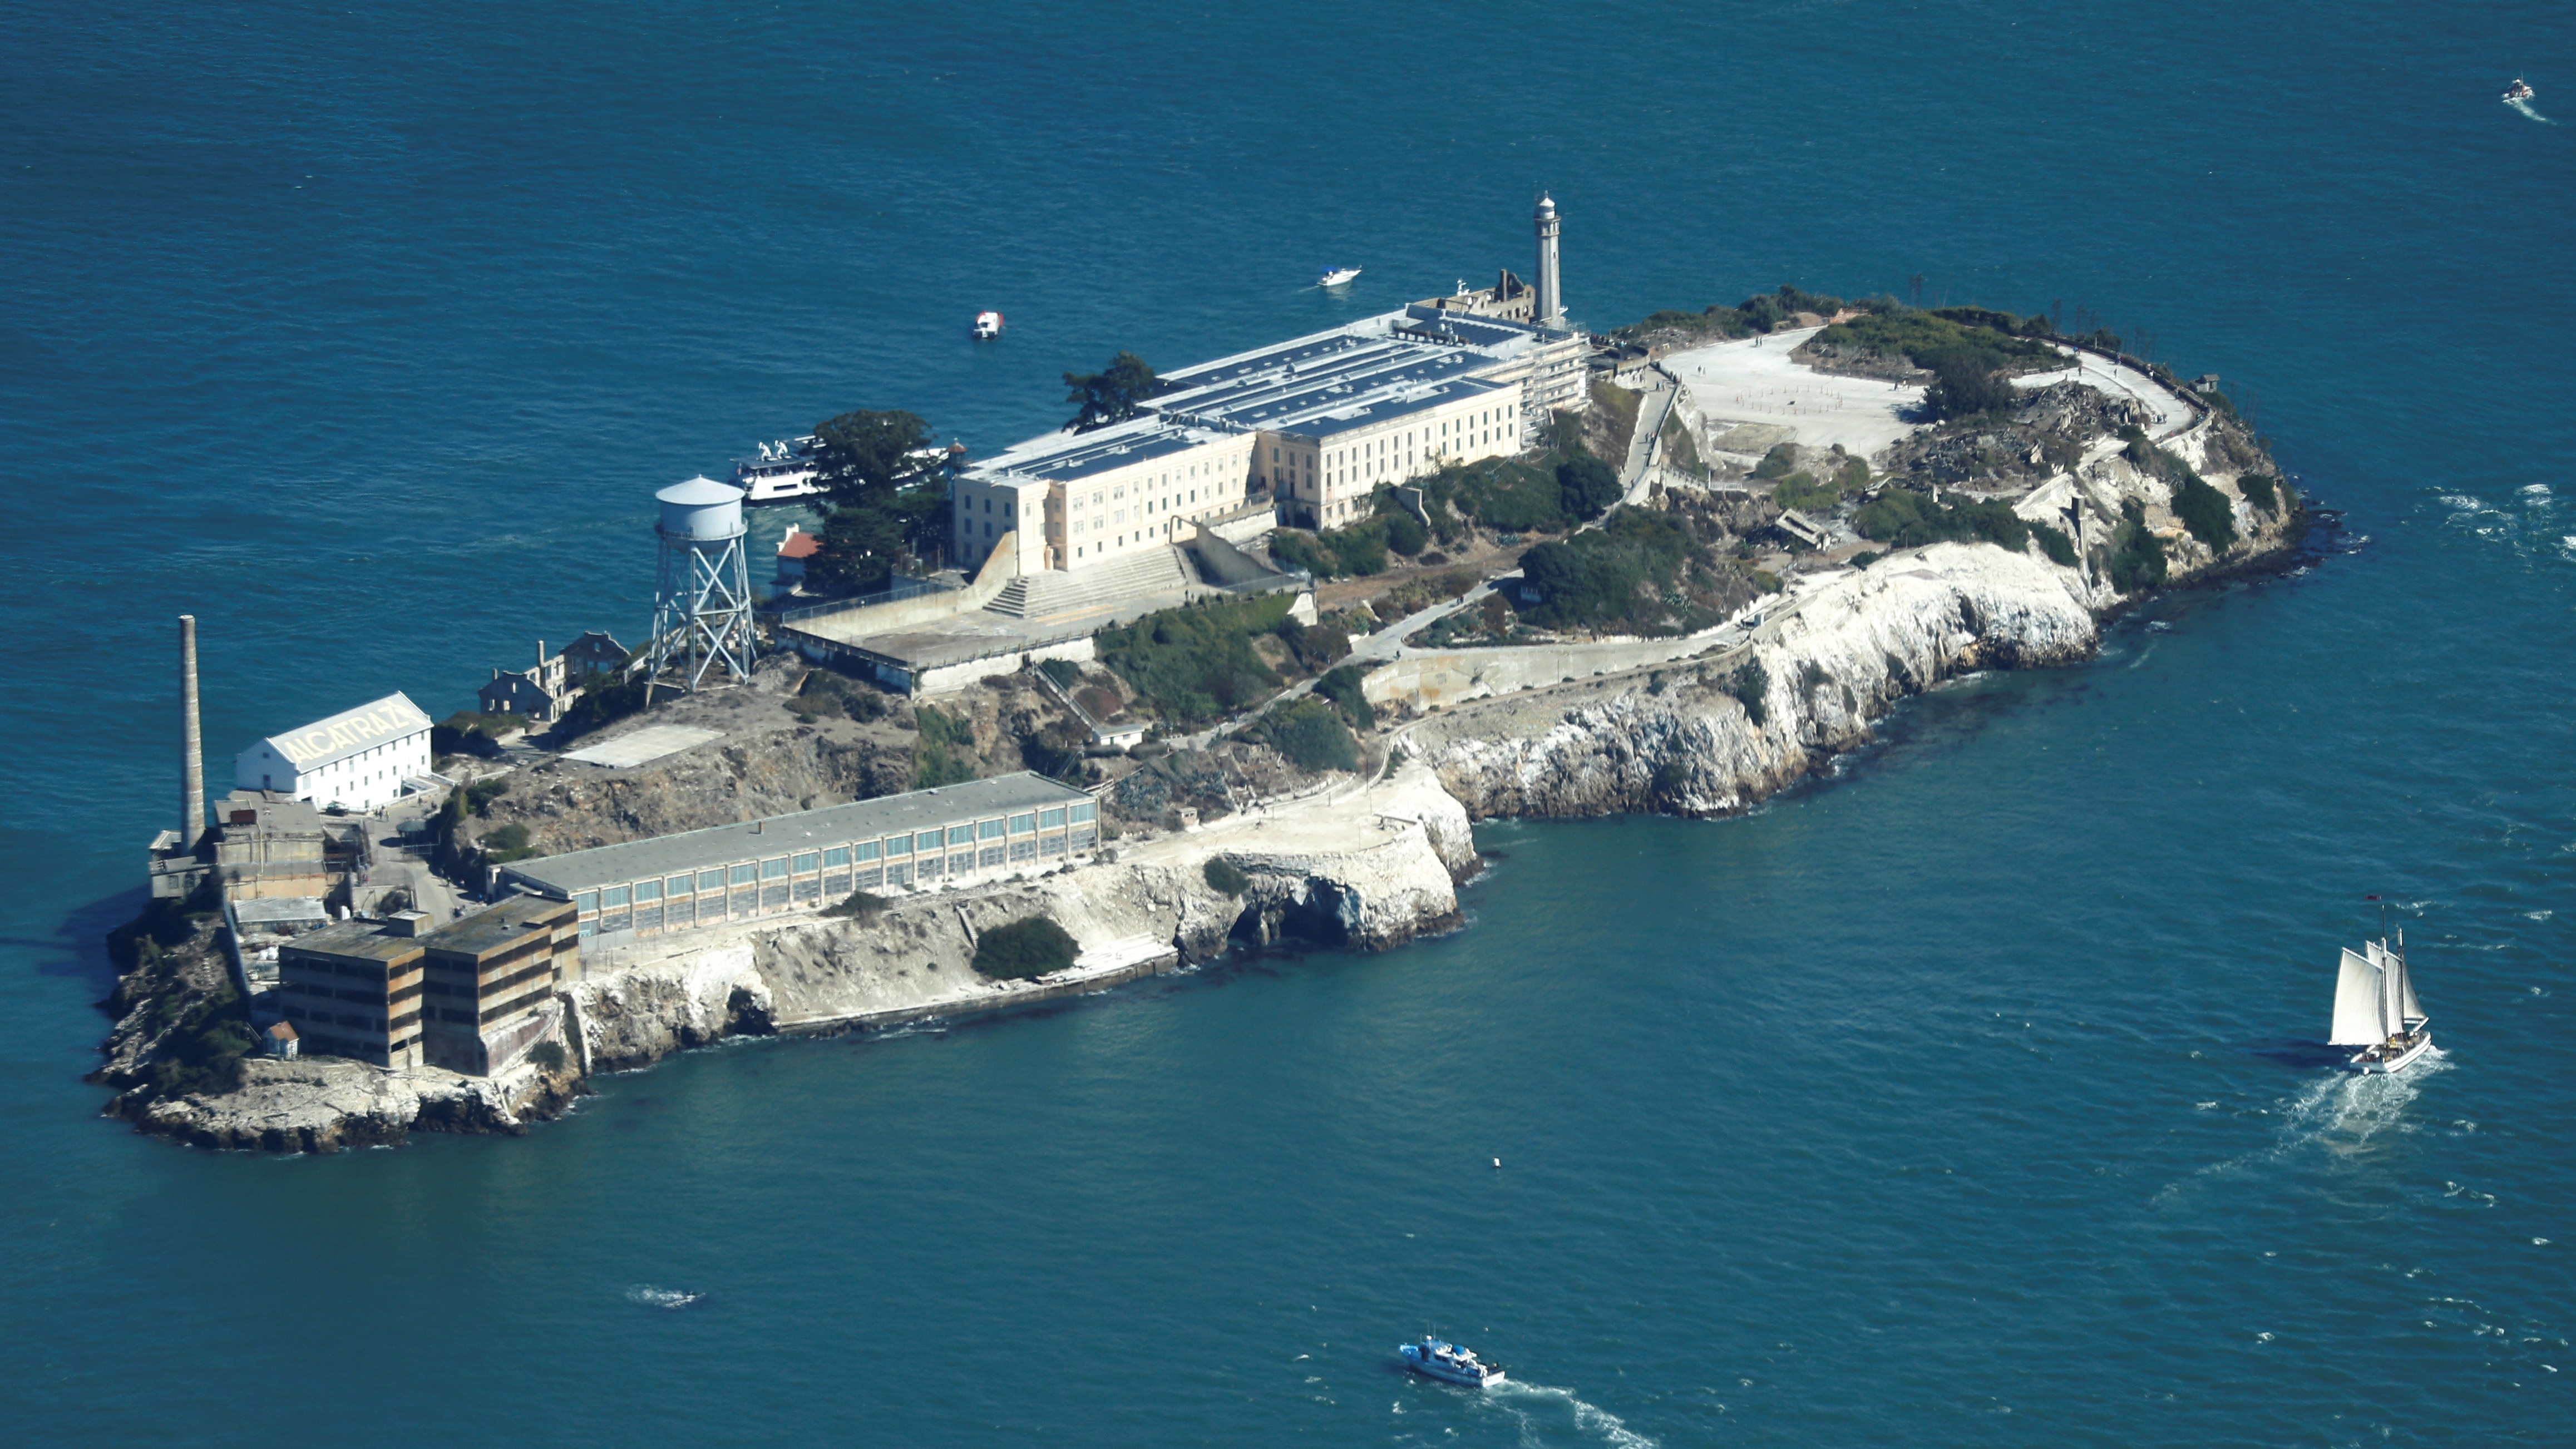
x=192, y=765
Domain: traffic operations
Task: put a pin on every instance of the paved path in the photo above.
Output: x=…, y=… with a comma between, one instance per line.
x=1652, y=410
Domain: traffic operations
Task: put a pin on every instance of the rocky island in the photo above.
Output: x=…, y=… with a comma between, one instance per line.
x=1771, y=524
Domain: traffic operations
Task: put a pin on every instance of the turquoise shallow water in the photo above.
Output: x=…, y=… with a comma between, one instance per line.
x=1970, y=1097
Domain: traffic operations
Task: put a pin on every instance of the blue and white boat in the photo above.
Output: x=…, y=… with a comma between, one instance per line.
x=1440, y=1359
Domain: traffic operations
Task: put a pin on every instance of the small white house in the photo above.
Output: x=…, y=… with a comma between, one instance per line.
x=358, y=758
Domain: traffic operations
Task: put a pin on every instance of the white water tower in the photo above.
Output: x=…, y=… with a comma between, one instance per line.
x=702, y=604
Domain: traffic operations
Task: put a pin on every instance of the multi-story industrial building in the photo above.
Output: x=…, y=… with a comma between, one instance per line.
x=353, y=990
x=358, y=758
x=787, y=864
x=490, y=983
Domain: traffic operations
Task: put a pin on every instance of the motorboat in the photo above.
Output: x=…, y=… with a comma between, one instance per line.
x=1440, y=1359
x=2520, y=90
x=1336, y=276
x=988, y=325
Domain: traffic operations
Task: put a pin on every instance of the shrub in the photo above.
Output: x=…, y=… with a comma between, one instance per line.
x=945, y=752
x=1196, y=662
x=1775, y=464
x=1586, y=487
x=1406, y=535
x=1924, y=338
x=1359, y=550
x=549, y=1056
x=1801, y=490
x=860, y=905
x=2259, y=490
x=1311, y=734
x=1342, y=687
x=1964, y=386
x=1063, y=671
x=1749, y=684
x=1224, y=877
x=2139, y=562
x=2054, y=542
x=1910, y=520
x=2206, y=512
x=1024, y=949
x=480, y=795
x=600, y=705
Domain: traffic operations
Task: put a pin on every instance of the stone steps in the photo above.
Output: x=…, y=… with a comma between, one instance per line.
x=1096, y=590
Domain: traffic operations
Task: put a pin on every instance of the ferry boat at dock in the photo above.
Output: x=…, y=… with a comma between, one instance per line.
x=783, y=473
x=1440, y=1359
x=2375, y=1009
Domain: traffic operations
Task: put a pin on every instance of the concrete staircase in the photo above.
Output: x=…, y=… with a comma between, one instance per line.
x=1097, y=590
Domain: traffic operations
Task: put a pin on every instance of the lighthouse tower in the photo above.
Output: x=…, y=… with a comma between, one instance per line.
x=1551, y=302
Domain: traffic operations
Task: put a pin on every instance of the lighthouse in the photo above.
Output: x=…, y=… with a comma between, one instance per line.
x=1551, y=302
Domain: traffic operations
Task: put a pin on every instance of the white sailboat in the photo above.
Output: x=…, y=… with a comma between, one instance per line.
x=2375, y=1008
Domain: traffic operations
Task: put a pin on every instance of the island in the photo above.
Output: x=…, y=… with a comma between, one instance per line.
x=1676, y=567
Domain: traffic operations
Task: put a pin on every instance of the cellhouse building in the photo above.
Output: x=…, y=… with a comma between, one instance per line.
x=785, y=864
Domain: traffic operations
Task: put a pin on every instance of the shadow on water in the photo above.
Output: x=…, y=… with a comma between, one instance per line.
x=2298, y=1052
x=79, y=946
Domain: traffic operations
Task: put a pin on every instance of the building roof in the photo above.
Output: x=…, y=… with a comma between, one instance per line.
x=500, y=926
x=360, y=940
x=278, y=911
x=1363, y=374
x=583, y=870
x=1068, y=457
x=799, y=544
x=282, y=1031
x=699, y=491
x=327, y=741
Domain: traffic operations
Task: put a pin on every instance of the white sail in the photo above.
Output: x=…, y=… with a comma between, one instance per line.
x=2356, y=1008
x=2410, y=1010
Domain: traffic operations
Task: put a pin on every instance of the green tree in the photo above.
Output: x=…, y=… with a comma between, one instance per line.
x=1405, y=534
x=1587, y=486
x=1963, y=387
x=1022, y=949
x=861, y=462
x=1109, y=396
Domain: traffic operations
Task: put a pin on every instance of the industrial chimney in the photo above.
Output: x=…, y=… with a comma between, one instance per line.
x=192, y=764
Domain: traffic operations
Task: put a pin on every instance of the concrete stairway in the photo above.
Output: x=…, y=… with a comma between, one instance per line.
x=1097, y=590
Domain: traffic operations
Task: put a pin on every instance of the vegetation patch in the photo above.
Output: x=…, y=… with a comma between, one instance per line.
x=944, y=753
x=1224, y=876
x=601, y=705
x=1342, y=687
x=1024, y=949
x=1910, y=520
x=1640, y=571
x=1195, y=663
x=858, y=905
x=2204, y=510
x=2054, y=542
x=2138, y=557
x=826, y=692
x=1310, y=733
x=2261, y=490
x=1972, y=338
x=1751, y=684
x=1356, y=551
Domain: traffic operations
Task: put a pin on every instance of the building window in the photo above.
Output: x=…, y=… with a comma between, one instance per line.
x=679, y=885
x=867, y=849
x=805, y=863
x=988, y=830
x=586, y=902
x=838, y=855
x=1085, y=812
x=961, y=834
x=647, y=890
x=711, y=880
x=745, y=874
x=898, y=845
x=1023, y=824
x=1050, y=819
x=774, y=869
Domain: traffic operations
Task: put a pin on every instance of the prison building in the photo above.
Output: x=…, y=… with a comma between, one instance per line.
x=1076, y=500
x=788, y=864
x=358, y=758
x=354, y=990
x=490, y=979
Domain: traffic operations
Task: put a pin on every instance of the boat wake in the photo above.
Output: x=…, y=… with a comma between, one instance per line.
x=1538, y=1408
x=645, y=1295
x=2529, y=114
x=2341, y=1113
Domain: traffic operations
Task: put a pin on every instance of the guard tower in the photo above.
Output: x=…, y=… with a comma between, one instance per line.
x=1551, y=302
x=702, y=605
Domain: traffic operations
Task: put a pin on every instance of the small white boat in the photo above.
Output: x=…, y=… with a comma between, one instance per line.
x=988, y=325
x=1447, y=1362
x=2520, y=90
x=2375, y=1008
x=1336, y=276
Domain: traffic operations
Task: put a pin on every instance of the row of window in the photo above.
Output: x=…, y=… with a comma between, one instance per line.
x=748, y=888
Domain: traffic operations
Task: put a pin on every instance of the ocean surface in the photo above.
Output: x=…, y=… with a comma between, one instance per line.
x=1973, y=1096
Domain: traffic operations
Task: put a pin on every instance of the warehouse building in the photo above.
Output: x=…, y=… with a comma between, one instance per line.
x=472, y=996
x=789, y=864
x=357, y=759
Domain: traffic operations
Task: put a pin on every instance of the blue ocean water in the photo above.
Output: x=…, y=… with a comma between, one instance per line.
x=1970, y=1097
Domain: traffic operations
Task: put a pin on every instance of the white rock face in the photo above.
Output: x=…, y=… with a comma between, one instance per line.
x=1857, y=643
x=644, y=1014
x=326, y=1104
